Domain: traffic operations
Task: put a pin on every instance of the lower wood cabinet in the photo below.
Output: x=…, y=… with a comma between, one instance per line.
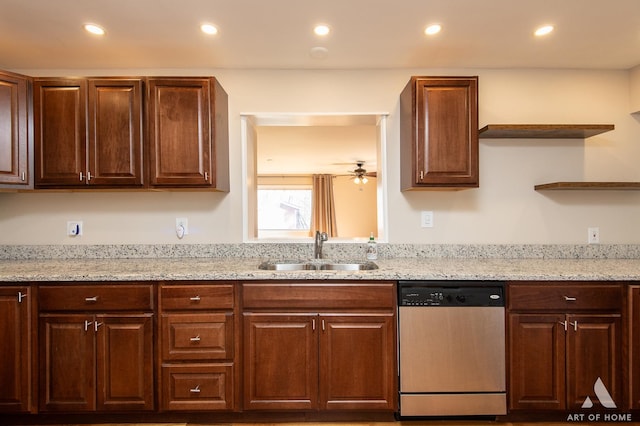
x=634, y=355
x=96, y=348
x=319, y=346
x=197, y=344
x=562, y=339
x=15, y=349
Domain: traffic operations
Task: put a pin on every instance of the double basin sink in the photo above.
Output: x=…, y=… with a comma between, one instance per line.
x=318, y=265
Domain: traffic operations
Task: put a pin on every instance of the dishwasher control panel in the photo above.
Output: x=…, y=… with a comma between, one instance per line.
x=413, y=293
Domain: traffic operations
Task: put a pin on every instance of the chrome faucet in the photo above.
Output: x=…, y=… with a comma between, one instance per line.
x=317, y=247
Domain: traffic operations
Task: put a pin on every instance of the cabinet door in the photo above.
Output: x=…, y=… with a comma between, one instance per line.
x=634, y=356
x=60, y=132
x=594, y=345
x=536, y=348
x=15, y=356
x=67, y=363
x=280, y=361
x=14, y=129
x=115, y=132
x=124, y=362
x=439, y=132
x=179, y=132
x=357, y=362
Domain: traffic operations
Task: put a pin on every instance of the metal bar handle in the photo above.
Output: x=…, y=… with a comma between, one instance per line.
x=570, y=299
x=87, y=324
x=323, y=325
x=91, y=299
x=575, y=325
x=564, y=324
x=81, y=176
x=21, y=296
x=313, y=324
x=206, y=176
x=96, y=325
x=88, y=176
x=195, y=339
x=195, y=298
x=195, y=390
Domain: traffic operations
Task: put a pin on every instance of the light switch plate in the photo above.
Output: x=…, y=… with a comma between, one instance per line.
x=426, y=219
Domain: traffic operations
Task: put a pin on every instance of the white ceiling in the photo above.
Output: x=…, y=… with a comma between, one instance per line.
x=277, y=34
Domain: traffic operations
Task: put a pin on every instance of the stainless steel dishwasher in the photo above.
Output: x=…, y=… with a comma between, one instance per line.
x=451, y=348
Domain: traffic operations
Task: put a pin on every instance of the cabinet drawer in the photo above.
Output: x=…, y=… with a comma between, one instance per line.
x=197, y=387
x=194, y=297
x=120, y=297
x=197, y=336
x=565, y=297
x=319, y=295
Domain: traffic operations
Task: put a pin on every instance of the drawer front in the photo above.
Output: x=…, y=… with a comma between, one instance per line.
x=197, y=336
x=319, y=295
x=195, y=297
x=118, y=297
x=197, y=387
x=565, y=297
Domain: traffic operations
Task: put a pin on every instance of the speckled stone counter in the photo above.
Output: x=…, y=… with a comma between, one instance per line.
x=154, y=269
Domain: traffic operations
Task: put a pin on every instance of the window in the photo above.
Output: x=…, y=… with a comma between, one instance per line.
x=284, y=211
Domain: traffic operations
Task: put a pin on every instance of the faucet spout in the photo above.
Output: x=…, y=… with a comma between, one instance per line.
x=317, y=247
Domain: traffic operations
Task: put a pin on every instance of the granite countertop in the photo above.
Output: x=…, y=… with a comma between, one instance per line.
x=153, y=269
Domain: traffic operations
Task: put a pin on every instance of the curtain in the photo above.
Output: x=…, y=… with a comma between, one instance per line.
x=323, y=209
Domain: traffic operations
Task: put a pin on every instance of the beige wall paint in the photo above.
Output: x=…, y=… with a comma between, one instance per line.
x=505, y=209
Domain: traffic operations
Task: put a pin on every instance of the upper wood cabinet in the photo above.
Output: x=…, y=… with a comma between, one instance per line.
x=439, y=133
x=15, y=134
x=88, y=132
x=188, y=141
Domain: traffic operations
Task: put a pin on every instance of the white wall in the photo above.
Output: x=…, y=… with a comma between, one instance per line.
x=505, y=209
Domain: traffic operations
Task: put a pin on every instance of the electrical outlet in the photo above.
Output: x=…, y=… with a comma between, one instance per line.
x=182, y=227
x=74, y=228
x=426, y=219
x=594, y=235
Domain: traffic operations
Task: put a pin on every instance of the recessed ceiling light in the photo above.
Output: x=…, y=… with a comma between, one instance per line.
x=94, y=29
x=433, y=29
x=321, y=30
x=209, y=29
x=544, y=30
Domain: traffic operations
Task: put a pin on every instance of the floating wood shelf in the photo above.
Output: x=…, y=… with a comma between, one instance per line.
x=543, y=131
x=601, y=186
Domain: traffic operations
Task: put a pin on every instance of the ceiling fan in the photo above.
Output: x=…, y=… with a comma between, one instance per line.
x=360, y=174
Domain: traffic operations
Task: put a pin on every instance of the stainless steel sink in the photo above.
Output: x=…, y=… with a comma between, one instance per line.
x=285, y=266
x=317, y=266
x=365, y=266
